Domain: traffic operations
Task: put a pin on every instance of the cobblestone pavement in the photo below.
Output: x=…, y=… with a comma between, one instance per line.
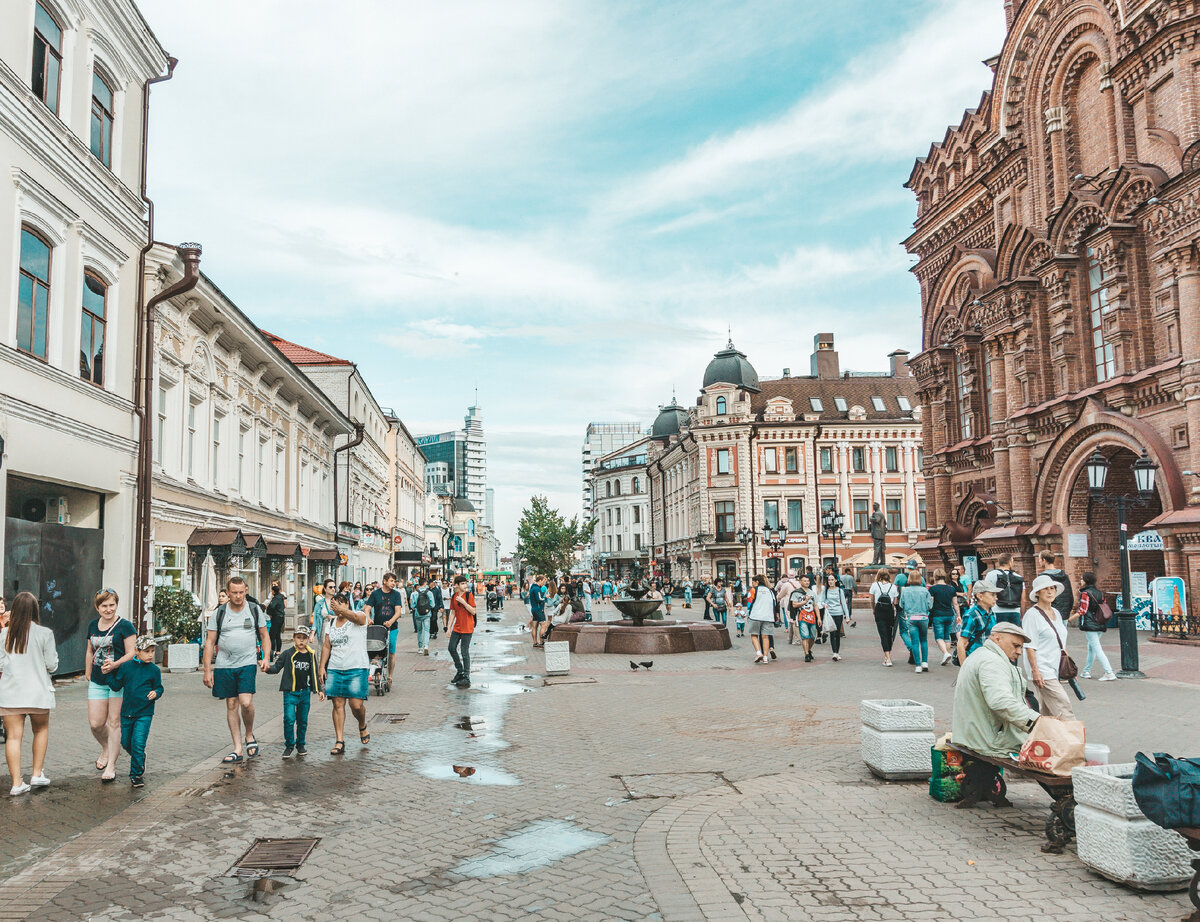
x=705, y=788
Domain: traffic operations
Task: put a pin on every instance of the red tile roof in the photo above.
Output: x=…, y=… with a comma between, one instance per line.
x=856, y=390
x=302, y=355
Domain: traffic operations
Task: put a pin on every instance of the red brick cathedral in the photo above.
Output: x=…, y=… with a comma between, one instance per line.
x=1060, y=292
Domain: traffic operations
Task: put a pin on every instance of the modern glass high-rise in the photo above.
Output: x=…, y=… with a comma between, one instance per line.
x=598, y=441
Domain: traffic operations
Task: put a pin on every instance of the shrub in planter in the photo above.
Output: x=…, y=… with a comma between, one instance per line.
x=176, y=614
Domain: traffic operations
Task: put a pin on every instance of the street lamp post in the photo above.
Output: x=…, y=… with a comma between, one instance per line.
x=745, y=535
x=774, y=538
x=831, y=527
x=1144, y=471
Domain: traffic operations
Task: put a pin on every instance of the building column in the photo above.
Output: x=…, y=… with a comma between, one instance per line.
x=911, y=519
x=1186, y=265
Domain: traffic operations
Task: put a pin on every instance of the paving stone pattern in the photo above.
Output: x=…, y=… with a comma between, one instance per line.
x=705, y=788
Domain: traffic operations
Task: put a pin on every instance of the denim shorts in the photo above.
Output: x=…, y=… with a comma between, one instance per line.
x=807, y=631
x=98, y=692
x=346, y=683
x=229, y=683
x=942, y=626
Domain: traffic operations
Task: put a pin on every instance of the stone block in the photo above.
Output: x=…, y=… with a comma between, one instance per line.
x=183, y=657
x=898, y=714
x=897, y=755
x=558, y=657
x=1116, y=840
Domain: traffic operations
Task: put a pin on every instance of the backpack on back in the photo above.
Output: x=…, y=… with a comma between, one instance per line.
x=255, y=612
x=1010, y=586
x=885, y=601
x=424, y=606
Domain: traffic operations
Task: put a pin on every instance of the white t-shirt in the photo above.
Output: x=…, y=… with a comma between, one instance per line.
x=763, y=607
x=237, y=644
x=879, y=589
x=1045, y=644
x=347, y=645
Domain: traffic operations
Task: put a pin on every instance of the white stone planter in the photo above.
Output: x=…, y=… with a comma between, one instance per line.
x=558, y=657
x=1116, y=840
x=183, y=657
x=897, y=735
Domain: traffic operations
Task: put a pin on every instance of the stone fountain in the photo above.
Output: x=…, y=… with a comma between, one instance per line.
x=633, y=636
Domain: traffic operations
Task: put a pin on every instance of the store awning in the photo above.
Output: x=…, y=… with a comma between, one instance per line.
x=256, y=547
x=406, y=557
x=222, y=542
x=286, y=549
x=324, y=554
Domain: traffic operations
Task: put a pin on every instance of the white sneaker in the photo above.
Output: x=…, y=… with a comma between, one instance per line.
x=1085, y=675
x=888, y=663
x=1108, y=677
x=918, y=669
x=39, y=781
x=946, y=657
x=836, y=657
x=924, y=667
x=18, y=790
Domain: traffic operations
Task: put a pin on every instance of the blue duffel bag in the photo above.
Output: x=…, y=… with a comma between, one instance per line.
x=1167, y=789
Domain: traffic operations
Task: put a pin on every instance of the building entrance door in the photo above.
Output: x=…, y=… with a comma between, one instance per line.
x=63, y=567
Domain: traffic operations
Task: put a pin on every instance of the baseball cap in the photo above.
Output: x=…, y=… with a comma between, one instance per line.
x=303, y=630
x=1007, y=627
x=984, y=585
x=146, y=642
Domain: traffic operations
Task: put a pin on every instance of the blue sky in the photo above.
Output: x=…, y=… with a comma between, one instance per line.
x=564, y=204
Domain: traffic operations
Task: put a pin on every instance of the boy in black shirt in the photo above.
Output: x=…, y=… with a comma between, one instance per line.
x=299, y=668
x=142, y=683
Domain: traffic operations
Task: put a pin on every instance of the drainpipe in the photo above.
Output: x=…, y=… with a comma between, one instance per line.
x=141, y=575
x=357, y=440
x=190, y=254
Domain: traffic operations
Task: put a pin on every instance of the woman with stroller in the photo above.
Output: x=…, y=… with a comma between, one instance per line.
x=345, y=666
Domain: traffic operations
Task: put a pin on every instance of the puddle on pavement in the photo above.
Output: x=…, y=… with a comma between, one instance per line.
x=534, y=846
x=474, y=739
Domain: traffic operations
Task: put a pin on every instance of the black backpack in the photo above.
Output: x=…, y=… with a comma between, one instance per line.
x=1011, y=587
x=796, y=598
x=424, y=606
x=885, y=601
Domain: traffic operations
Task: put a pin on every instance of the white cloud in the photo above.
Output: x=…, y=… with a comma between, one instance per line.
x=888, y=103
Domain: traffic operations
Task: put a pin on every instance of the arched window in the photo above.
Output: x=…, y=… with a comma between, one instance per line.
x=964, y=396
x=102, y=119
x=91, y=329
x=720, y=406
x=637, y=485
x=1103, y=359
x=617, y=488
x=608, y=488
x=47, y=58
x=33, y=297
x=471, y=528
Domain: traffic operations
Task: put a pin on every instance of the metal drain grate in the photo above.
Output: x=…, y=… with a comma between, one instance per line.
x=381, y=718
x=267, y=856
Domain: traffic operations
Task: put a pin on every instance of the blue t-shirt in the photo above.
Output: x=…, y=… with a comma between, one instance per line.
x=108, y=644
x=537, y=599
x=384, y=604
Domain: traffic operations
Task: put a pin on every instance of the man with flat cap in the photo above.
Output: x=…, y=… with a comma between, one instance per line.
x=990, y=713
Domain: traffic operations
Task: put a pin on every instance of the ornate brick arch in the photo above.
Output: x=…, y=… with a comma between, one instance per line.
x=1074, y=223
x=1096, y=427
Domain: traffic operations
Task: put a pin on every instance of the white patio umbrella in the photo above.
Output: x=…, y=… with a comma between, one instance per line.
x=208, y=586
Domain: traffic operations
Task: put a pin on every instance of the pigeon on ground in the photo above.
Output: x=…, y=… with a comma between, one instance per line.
x=633, y=665
x=463, y=771
x=647, y=665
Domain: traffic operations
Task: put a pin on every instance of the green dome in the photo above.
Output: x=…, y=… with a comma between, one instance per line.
x=731, y=367
x=670, y=420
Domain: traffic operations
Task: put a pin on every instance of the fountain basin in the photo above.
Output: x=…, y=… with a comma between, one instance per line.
x=654, y=639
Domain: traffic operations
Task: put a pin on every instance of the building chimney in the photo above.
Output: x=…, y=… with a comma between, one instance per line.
x=898, y=361
x=824, y=357
x=787, y=372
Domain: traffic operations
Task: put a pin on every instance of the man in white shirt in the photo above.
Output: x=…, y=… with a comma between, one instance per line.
x=234, y=632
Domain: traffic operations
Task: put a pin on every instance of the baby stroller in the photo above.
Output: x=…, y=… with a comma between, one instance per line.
x=494, y=604
x=380, y=659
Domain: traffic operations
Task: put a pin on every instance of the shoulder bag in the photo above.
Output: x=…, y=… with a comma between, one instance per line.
x=1066, y=666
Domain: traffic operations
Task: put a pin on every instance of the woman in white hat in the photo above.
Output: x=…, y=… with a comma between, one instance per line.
x=1048, y=633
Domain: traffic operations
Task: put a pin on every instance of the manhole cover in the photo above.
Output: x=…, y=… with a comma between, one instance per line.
x=268, y=856
x=380, y=718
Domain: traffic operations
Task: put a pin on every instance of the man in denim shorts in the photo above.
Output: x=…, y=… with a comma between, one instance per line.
x=234, y=632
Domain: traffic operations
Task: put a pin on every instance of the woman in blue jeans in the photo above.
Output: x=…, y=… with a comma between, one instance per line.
x=915, y=603
x=1090, y=622
x=942, y=614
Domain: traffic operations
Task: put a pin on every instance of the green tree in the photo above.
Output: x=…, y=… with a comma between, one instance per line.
x=545, y=540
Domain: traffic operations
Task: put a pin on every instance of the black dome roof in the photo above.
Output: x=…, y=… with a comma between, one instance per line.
x=731, y=367
x=669, y=421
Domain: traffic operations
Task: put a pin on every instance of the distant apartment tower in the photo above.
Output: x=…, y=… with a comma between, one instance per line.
x=456, y=462
x=599, y=440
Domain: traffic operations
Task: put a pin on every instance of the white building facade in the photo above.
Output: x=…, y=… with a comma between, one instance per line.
x=406, y=497
x=243, y=449
x=599, y=440
x=620, y=485
x=72, y=225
